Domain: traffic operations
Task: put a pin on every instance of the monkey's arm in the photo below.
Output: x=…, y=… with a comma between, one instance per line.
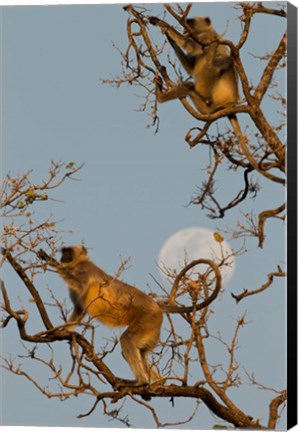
x=70, y=278
x=178, y=41
x=51, y=261
x=187, y=61
x=78, y=312
x=221, y=63
x=166, y=28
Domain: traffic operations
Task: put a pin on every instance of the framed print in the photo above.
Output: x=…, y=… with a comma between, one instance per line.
x=149, y=215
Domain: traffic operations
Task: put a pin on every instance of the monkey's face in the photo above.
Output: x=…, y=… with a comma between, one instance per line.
x=199, y=24
x=72, y=253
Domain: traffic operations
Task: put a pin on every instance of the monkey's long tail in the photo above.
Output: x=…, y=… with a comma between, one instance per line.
x=172, y=308
x=238, y=132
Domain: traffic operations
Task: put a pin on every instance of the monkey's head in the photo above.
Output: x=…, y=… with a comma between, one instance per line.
x=73, y=254
x=199, y=24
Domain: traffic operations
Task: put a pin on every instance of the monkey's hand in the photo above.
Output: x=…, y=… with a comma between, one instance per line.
x=51, y=261
x=156, y=21
x=43, y=255
x=205, y=39
x=159, y=23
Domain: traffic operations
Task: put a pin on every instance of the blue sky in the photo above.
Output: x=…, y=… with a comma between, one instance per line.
x=134, y=186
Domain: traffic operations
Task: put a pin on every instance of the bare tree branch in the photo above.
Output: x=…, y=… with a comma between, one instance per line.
x=266, y=285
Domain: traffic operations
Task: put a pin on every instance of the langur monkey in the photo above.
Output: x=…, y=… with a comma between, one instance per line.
x=114, y=303
x=210, y=64
x=215, y=83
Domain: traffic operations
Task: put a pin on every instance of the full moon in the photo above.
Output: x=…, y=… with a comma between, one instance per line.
x=194, y=243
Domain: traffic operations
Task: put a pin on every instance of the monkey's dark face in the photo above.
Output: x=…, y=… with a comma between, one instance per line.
x=199, y=24
x=70, y=253
x=67, y=255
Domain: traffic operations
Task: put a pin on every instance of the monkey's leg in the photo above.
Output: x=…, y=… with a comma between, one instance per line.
x=151, y=370
x=180, y=91
x=141, y=337
x=204, y=105
x=132, y=355
x=75, y=318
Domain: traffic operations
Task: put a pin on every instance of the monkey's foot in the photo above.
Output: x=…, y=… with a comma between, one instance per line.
x=159, y=380
x=128, y=383
x=121, y=383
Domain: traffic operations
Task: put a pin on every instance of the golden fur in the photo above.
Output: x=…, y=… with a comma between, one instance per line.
x=114, y=303
x=207, y=61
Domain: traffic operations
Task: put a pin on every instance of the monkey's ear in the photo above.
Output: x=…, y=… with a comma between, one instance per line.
x=208, y=21
x=84, y=250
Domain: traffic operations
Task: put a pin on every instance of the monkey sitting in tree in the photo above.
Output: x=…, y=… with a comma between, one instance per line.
x=115, y=303
x=206, y=60
x=210, y=64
